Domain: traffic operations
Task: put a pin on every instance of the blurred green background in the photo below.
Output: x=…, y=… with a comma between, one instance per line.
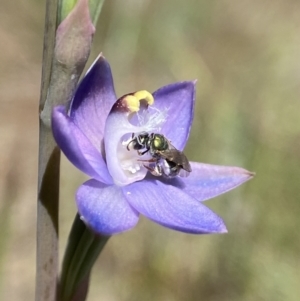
x=246, y=57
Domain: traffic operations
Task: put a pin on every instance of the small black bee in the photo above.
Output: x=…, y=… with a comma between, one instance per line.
x=166, y=159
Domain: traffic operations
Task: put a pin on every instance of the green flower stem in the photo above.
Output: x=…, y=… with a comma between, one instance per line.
x=77, y=231
x=48, y=176
x=82, y=251
x=95, y=9
x=82, y=289
x=67, y=5
x=93, y=253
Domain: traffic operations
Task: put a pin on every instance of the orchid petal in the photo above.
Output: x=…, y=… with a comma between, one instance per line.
x=77, y=148
x=207, y=181
x=178, y=100
x=171, y=207
x=104, y=209
x=93, y=101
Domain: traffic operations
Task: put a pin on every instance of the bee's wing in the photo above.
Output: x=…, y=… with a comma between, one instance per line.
x=185, y=163
x=170, y=154
x=181, y=158
x=183, y=173
x=178, y=157
x=171, y=146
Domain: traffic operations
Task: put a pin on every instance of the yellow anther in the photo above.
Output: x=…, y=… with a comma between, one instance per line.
x=140, y=95
x=132, y=103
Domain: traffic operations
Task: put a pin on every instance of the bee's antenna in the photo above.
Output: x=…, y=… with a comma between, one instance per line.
x=127, y=146
x=132, y=135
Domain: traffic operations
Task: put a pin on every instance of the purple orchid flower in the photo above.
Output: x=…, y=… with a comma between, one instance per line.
x=95, y=135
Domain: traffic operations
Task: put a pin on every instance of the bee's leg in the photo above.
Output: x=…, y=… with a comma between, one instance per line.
x=142, y=153
x=156, y=171
x=148, y=160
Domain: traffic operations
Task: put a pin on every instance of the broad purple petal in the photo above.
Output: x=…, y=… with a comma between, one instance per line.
x=93, y=101
x=207, y=181
x=104, y=209
x=77, y=148
x=178, y=99
x=169, y=206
